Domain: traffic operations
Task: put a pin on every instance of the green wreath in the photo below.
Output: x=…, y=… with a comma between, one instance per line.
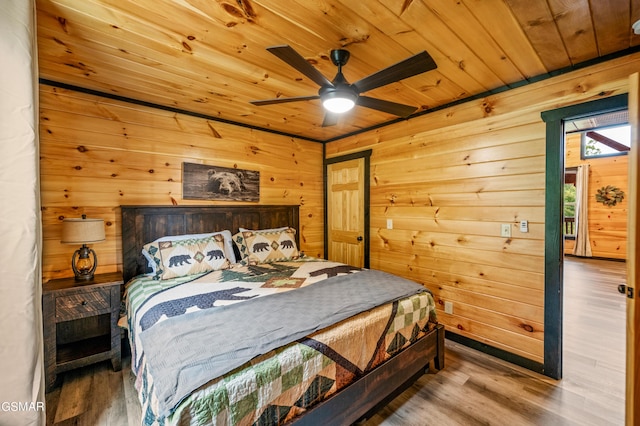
x=609, y=195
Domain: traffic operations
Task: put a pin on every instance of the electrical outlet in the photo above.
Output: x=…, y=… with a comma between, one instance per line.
x=389, y=223
x=505, y=230
x=448, y=307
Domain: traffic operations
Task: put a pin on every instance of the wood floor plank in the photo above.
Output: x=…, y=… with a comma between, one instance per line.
x=74, y=394
x=473, y=389
x=98, y=407
x=132, y=404
x=52, y=400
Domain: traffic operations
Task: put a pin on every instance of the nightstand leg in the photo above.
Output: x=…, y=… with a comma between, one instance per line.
x=116, y=339
x=48, y=303
x=50, y=379
x=116, y=362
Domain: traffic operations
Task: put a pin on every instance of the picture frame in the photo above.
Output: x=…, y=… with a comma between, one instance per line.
x=207, y=182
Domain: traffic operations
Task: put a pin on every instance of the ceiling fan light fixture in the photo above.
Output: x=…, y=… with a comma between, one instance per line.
x=339, y=101
x=338, y=96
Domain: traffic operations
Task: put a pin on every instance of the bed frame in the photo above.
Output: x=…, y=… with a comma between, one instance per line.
x=142, y=224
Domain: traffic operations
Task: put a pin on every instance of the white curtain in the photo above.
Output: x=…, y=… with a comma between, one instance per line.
x=21, y=349
x=583, y=245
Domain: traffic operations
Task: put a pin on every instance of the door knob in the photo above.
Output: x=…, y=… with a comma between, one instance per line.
x=622, y=288
x=359, y=238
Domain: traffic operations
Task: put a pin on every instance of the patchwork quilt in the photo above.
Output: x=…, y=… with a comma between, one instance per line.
x=281, y=384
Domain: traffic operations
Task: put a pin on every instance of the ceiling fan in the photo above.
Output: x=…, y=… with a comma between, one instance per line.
x=339, y=96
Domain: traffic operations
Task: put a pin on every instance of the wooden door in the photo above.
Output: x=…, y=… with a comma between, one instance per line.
x=633, y=268
x=346, y=212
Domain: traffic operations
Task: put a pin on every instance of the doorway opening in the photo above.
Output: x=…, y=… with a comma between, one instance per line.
x=594, y=312
x=554, y=220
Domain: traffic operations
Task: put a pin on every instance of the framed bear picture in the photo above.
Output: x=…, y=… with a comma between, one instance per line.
x=206, y=182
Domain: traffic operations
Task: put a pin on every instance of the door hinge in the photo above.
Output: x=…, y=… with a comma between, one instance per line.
x=626, y=290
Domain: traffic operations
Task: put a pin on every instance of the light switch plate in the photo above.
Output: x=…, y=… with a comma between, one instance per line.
x=524, y=226
x=448, y=307
x=505, y=230
x=389, y=223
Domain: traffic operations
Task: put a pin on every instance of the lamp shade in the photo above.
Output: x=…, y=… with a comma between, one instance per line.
x=82, y=231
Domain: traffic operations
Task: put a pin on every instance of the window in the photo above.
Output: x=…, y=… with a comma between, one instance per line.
x=606, y=142
x=603, y=135
x=569, y=213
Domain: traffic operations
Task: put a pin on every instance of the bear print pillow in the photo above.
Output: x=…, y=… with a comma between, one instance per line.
x=189, y=257
x=270, y=246
x=151, y=251
x=241, y=245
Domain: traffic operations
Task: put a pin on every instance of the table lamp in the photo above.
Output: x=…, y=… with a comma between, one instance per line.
x=83, y=231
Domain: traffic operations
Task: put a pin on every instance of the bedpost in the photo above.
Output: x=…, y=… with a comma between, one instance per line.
x=439, y=359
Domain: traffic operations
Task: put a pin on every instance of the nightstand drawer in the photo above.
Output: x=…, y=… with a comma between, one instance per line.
x=80, y=305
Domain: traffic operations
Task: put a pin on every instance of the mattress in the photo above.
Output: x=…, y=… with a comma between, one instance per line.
x=280, y=384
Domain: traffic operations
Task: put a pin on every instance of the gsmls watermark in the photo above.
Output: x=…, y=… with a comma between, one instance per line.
x=21, y=406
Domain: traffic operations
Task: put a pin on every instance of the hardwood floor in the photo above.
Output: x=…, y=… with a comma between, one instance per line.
x=476, y=389
x=595, y=335
x=473, y=389
x=95, y=396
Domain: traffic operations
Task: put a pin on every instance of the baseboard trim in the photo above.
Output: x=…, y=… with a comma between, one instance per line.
x=496, y=352
x=595, y=258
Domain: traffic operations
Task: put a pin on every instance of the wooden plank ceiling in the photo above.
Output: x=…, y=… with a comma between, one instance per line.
x=209, y=57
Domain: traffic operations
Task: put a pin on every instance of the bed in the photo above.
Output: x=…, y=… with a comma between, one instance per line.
x=310, y=373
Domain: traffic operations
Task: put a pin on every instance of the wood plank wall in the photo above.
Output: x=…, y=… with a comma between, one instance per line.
x=607, y=225
x=450, y=178
x=97, y=154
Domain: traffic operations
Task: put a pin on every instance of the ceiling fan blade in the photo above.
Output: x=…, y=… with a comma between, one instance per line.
x=401, y=110
x=330, y=119
x=416, y=64
x=284, y=100
x=293, y=58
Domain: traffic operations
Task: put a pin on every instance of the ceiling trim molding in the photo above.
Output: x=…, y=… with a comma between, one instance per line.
x=495, y=91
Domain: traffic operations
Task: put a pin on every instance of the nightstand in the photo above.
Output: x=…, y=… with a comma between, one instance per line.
x=80, y=323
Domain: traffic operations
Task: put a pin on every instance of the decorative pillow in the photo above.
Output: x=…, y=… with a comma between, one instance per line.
x=151, y=251
x=241, y=247
x=242, y=252
x=186, y=257
x=269, y=246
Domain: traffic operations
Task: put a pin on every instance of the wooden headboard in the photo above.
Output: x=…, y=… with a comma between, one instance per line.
x=143, y=224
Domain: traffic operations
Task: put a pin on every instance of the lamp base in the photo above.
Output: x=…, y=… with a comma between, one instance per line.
x=84, y=277
x=84, y=263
